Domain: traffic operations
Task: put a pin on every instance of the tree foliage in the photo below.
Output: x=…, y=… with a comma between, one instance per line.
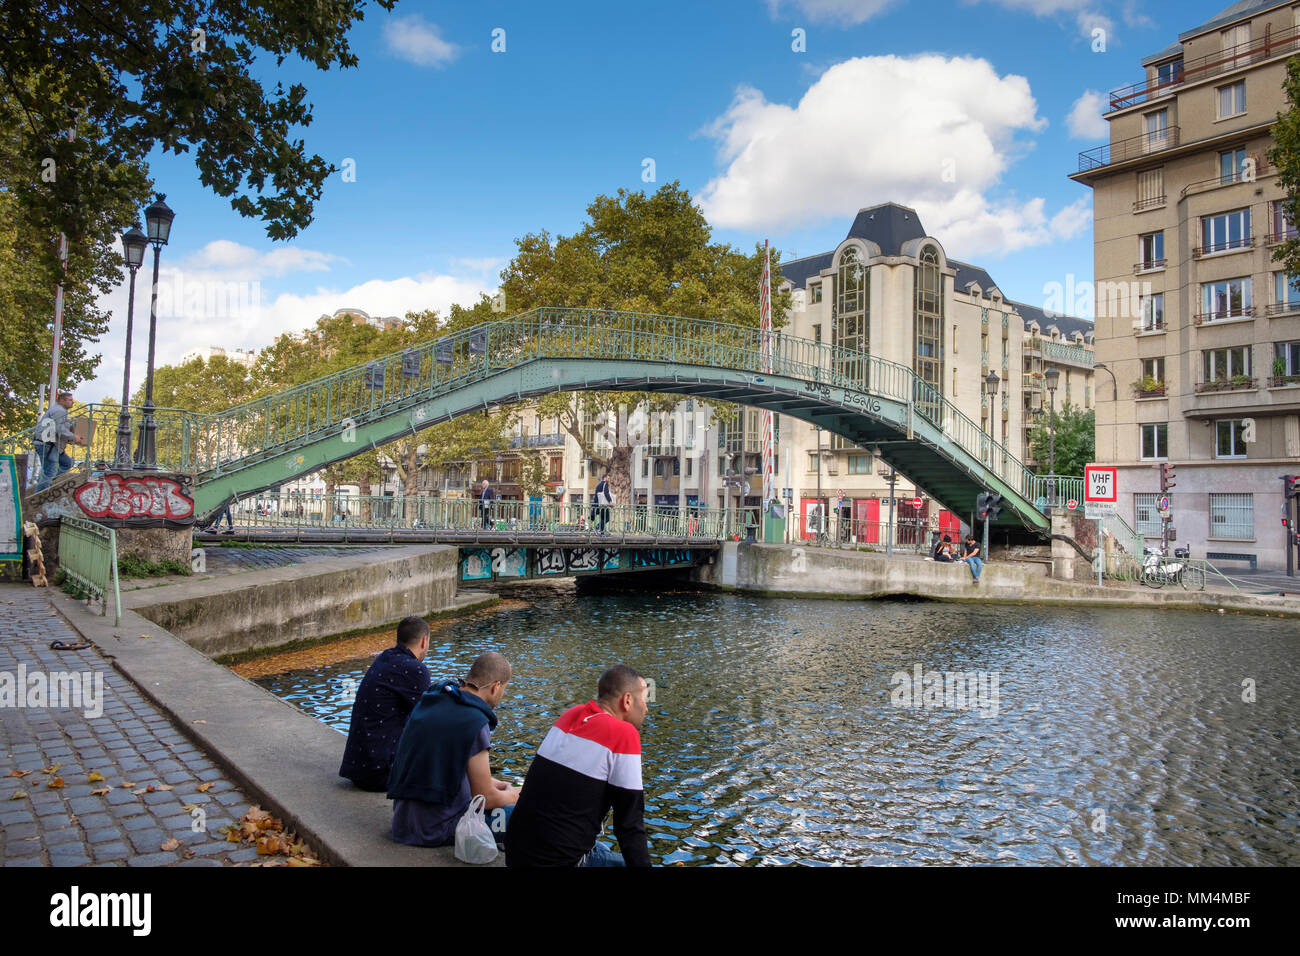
x=1285, y=155
x=1075, y=439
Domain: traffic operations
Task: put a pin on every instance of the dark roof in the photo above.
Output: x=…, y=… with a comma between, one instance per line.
x=798, y=271
x=1174, y=49
x=888, y=225
x=1243, y=8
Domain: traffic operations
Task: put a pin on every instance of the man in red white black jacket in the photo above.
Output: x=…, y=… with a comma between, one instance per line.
x=589, y=762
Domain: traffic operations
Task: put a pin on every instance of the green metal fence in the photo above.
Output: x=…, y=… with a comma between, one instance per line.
x=88, y=556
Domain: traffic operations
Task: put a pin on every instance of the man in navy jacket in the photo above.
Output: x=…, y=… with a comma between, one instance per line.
x=387, y=695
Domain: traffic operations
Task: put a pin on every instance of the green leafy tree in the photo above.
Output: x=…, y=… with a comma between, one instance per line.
x=1285, y=155
x=1076, y=431
x=640, y=253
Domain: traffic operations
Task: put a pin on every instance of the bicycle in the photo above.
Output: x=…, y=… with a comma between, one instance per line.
x=1157, y=571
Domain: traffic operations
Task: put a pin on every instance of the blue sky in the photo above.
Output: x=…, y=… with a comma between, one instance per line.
x=961, y=108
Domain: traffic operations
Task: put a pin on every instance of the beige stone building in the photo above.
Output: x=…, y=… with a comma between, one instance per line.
x=1199, y=326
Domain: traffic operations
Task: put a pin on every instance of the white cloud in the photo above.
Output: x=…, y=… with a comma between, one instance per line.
x=481, y=264
x=1086, y=13
x=1085, y=120
x=225, y=304
x=417, y=41
x=847, y=12
x=931, y=132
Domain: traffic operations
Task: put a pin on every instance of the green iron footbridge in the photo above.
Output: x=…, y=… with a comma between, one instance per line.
x=267, y=442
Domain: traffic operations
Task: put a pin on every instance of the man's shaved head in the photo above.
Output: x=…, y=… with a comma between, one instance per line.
x=617, y=681
x=488, y=668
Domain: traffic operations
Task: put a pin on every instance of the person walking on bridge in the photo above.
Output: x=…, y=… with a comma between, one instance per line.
x=485, y=498
x=604, y=498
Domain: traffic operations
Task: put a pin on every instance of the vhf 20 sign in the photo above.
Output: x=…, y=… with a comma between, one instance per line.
x=1099, y=485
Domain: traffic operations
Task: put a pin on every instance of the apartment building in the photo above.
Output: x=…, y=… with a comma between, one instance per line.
x=1198, y=324
x=890, y=288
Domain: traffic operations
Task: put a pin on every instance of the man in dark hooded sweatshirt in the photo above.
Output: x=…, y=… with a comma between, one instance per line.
x=442, y=758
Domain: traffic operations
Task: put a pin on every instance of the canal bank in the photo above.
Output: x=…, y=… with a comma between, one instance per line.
x=783, y=571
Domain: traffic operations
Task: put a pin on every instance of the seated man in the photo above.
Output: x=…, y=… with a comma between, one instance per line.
x=972, y=557
x=943, y=553
x=386, y=697
x=589, y=762
x=442, y=758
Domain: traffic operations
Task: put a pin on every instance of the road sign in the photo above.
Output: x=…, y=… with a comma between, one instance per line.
x=916, y=503
x=1164, y=513
x=1071, y=504
x=1099, y=485
x=1164, y=502
x=1098, y=509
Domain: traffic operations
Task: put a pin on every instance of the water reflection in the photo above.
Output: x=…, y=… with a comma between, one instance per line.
x=1121, y=736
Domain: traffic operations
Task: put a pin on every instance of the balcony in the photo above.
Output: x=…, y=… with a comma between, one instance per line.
x=1210, y=318
x=1228, y=245
x=1151, y=265
x=1033, y=344
x=1070, y=354
x=1233, y=384
x=1282, y=308
x=1131, y=148
x=1150, y=391
x=1243, y=54
x=1236, y=176
x=662, y=450
x=1281, y=381
x=1276, y=238
x=1032, y=381
x=543, y=440
x=1151, y=202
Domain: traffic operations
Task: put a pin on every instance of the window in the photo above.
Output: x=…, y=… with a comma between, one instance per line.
x=1154, y=368
x=582, y=469
x=1167, y=74
x=817, y=332
x=1226, y=299
x=812, y=461
x=1232, y=516
x=1229, y=438
x=816, y=291
x=689, y=466
x=1232, y=99
x=849, y=328
x=659, y=467
x=928, y=326
x=677, y=467
x=1235, y=41
x=1150, y=188
x=1288, y=353
x=1282, y=226
x=1153, y=312
x=859, y=464
x=1146, y=514
x=1286, y=290
x=1227, y=230
x=1232, y=165
x=1151, y=250
x=645, y=467
x=1221, y=364
x=1087, y=396
x=954, y=383
x=1154, y=441
x=1157, y=136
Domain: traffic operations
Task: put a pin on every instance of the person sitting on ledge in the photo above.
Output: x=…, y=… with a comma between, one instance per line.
x=442, y=758
x=943, y=553
x=387, y=695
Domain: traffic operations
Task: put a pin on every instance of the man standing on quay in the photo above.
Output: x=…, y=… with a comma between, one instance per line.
x=486, y=496
x=385, y=699
x=589, y=762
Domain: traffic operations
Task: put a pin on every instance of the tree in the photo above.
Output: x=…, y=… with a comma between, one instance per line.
x=1075, y=435
x=642, y=254
x=125, y=78
x=1285, y=155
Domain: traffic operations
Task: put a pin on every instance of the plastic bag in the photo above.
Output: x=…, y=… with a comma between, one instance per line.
x=474, y=840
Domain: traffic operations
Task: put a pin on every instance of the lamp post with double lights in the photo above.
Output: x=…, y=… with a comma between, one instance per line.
x=1114, y=398
x=133, y=245
x=158, y=221
x=1052, y=375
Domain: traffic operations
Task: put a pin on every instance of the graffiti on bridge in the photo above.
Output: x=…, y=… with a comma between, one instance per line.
x=483, y=564
x=113, y=496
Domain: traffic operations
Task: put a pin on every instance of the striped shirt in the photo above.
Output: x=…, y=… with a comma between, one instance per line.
x=589, y=763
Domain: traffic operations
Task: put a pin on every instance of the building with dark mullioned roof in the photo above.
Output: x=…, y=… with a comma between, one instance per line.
x=890, y=289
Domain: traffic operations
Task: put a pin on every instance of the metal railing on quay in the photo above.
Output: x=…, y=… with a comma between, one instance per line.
x=172, y=431
x=88, y=556
x=909, y=535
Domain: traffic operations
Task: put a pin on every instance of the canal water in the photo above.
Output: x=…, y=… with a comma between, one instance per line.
x=814, y=732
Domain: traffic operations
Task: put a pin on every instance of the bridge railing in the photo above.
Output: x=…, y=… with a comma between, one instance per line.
x=172, y=431
x=88, y=556
x=289, y=512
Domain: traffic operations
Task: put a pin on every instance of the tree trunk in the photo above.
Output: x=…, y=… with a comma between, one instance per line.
x=620, y=474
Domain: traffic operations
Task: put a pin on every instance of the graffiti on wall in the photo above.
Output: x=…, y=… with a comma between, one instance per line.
x=114, y=496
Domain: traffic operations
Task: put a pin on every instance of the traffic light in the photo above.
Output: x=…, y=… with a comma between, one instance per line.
x=1167, y=477
x=982, y=505
x=1291, y=486
x=994, y=507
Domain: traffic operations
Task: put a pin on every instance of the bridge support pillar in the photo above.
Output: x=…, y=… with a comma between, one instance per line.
x=1063, y=556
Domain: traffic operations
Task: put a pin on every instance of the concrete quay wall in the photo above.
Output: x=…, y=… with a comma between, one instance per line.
x=782, y=570
x=267, y=609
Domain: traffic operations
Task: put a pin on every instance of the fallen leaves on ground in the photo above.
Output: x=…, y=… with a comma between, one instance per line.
x=127, y=784
x=94, y=777
x=17, y=773
x=171, y=844
x=100, y=791
x=18, y=795
x=151, y=788
x=52, y=768
x=205, y=787
x=55, y=784
x=258, y=828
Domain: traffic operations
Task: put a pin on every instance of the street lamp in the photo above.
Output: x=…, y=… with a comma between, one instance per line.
x=991, y=382
x=1052, y=375
x=133, y=245
x=1114, y=398
x=821, y=507
x=158, y=221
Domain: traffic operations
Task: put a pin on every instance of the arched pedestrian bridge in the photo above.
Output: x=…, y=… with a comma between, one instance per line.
x=267, y=442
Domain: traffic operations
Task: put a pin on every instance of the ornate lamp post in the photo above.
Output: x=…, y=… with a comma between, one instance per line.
x=158, y=221
x=133, y=244
x=991, y=382
x=1052, y=375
